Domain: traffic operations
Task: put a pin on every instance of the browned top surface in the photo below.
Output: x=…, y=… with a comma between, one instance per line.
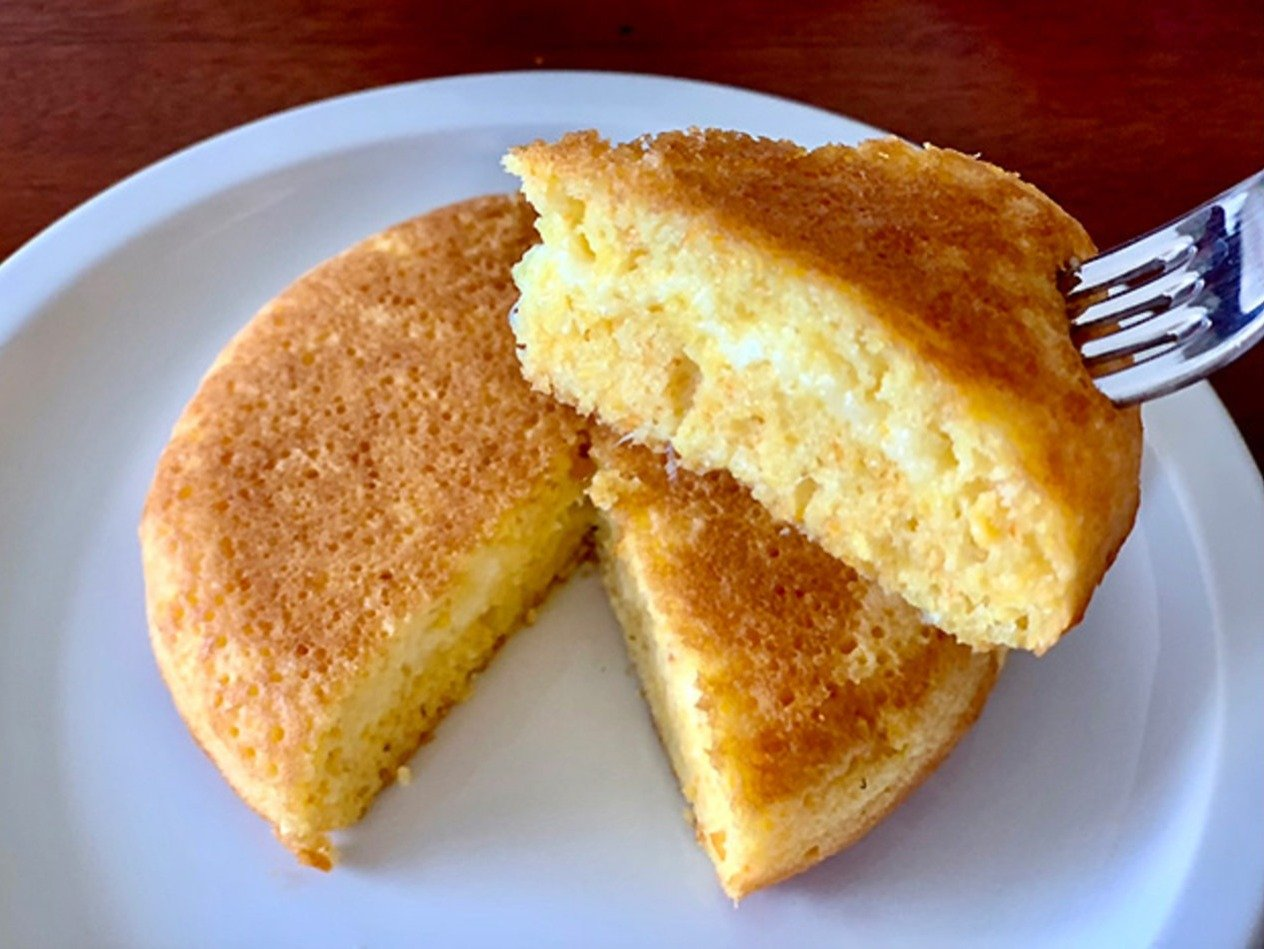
x=803, y=662
x=956, y=257
x=364, y=430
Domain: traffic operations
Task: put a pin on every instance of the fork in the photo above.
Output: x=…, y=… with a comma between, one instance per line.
x=1171, y=307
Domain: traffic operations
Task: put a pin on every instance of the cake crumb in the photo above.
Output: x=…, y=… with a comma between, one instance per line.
x=404, y=775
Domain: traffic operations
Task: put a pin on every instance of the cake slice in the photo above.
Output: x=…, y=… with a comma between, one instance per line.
x=798, y=702
x=362, y=500
x=871, y=338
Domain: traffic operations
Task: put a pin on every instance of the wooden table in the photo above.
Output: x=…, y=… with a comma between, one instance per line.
x=1126, y=113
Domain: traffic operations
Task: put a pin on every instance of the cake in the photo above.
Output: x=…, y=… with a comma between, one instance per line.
x=362, y=500
x=871, y=339
x=798, y=702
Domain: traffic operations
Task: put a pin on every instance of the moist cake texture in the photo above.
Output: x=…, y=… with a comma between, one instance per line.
x=799, y=703
x=362, y=500
x=872, y=339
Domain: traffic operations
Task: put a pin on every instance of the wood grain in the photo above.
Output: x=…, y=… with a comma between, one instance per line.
x=1125, y=113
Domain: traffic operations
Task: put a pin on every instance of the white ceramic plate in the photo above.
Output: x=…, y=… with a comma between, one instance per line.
x=1111, y=793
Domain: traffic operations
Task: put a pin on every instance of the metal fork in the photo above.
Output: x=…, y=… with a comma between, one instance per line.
x=1167, y=309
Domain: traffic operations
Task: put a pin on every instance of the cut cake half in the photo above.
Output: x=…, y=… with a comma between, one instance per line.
x=362, y=500
x=798, y=702
x=872, y=339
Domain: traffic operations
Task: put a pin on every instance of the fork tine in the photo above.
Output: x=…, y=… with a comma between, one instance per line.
x=1173, y=306
x=1143, y=338
x=1131, y=265
x=1133, y=378
x=1117, y=311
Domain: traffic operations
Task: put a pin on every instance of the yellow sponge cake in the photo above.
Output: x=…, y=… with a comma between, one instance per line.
x=798, y=702
x=362, y=500
x=872, y=339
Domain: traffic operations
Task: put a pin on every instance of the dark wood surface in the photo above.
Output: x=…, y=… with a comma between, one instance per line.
x=1126, y=113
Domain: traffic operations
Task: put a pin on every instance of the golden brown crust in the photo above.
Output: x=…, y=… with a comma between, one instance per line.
x=362, y=434
x=803, y=664
x=938, y=747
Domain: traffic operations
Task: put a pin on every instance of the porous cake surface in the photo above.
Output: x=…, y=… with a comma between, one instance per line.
x=799, y=702
x=362, y=499
x=870, y=338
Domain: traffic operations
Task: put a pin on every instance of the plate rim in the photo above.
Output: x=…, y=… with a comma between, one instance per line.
x=1188, y=428
x=1192, y=433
